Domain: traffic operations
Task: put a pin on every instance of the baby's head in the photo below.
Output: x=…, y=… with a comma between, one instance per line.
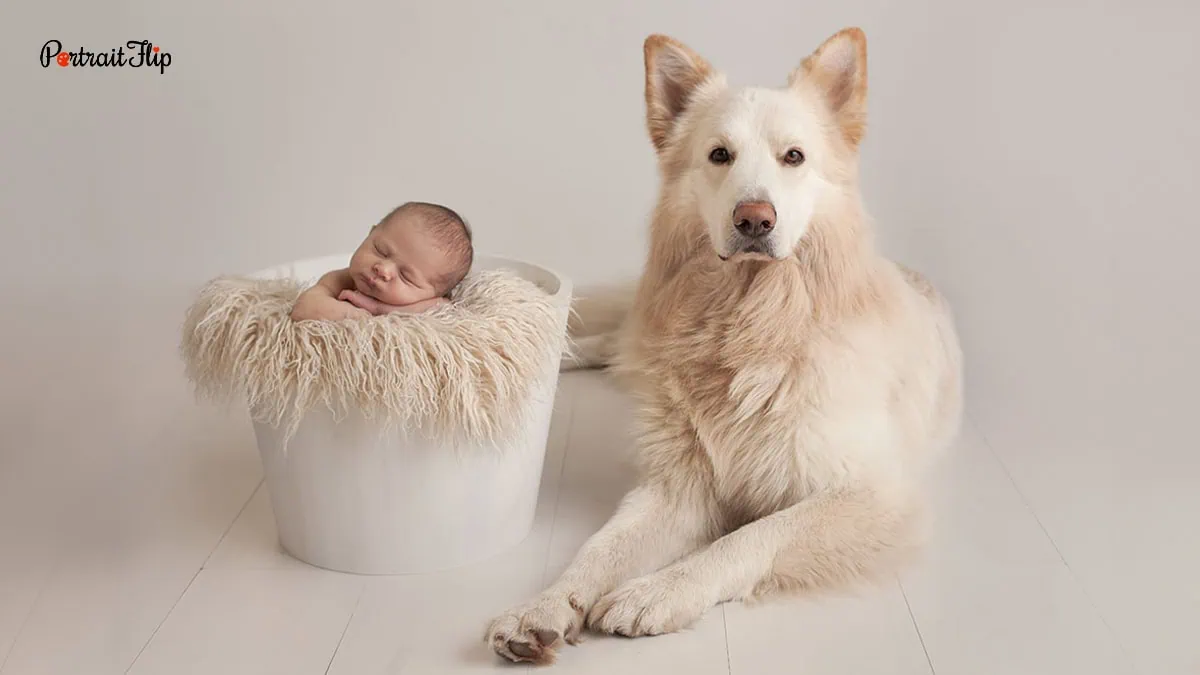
x=417, y=252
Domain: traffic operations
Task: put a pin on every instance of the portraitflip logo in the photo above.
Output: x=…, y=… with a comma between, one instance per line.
x=142, y=54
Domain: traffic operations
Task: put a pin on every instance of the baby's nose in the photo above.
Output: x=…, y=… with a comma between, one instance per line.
x=383, y=271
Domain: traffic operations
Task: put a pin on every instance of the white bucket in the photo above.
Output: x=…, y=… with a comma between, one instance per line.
x=351, y=498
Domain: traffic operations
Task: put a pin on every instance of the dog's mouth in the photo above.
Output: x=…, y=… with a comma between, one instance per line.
x=749, y=249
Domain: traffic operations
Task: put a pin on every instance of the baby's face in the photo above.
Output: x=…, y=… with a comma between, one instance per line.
x=397, y=264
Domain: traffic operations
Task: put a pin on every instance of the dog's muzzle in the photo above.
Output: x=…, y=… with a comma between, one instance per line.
x=753, y=223
x=746, y=246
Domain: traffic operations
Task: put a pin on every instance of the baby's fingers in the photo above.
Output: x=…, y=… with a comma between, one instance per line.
x=359, y=300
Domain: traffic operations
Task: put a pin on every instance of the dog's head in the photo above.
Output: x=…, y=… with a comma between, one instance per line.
x=756, y=164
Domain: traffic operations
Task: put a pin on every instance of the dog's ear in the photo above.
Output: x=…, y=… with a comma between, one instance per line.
x=673, y=71
x=837, y=70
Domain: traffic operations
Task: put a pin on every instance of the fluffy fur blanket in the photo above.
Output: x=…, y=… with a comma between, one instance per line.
x=465, y=372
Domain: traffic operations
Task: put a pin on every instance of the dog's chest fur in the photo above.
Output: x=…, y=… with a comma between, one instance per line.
x=728, y=348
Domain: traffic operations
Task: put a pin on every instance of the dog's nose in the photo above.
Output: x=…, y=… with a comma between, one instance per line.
x=754, y=219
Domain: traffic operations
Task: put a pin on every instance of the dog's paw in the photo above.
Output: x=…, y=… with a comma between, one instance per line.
x=650, y=605
x=535, y=631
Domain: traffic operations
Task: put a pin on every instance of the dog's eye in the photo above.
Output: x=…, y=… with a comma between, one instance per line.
x=793, y=157
x=719, y=156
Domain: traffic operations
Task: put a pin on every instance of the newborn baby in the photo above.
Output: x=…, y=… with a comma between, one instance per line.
x=409, y=262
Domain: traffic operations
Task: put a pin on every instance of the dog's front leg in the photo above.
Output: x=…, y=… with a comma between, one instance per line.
x=653, y=526
x=830, y=538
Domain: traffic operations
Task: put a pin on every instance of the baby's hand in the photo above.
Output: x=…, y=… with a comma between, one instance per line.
x=362, y=301
x=355, y=313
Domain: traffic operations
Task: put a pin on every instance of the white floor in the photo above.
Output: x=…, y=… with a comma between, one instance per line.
x=136, y=536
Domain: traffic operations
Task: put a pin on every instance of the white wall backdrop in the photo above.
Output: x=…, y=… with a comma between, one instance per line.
x=1039, y=161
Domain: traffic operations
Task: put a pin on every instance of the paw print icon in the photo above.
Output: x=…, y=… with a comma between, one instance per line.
x=64, y=59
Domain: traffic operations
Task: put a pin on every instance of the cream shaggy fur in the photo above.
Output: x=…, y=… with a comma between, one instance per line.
x=792, y=385
x=462, y=374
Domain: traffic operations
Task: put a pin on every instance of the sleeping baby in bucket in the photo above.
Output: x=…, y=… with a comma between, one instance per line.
x=410, y=262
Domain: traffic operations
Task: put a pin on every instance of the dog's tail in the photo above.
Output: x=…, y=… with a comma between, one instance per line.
x=597, y=315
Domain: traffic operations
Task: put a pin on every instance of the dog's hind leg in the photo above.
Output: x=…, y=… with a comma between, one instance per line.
x=827, y=540
x=590, y=351
x=600, y=310
x=594, y=325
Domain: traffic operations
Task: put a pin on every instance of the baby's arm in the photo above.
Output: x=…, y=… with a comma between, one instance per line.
x=380, y=308
x=321, y=300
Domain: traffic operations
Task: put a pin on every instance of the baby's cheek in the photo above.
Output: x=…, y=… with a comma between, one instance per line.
x=396, y=296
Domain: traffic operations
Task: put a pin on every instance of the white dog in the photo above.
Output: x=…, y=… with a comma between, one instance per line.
x=792, y=383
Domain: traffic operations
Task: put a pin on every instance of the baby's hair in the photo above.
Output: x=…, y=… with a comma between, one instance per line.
x=450, y=232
